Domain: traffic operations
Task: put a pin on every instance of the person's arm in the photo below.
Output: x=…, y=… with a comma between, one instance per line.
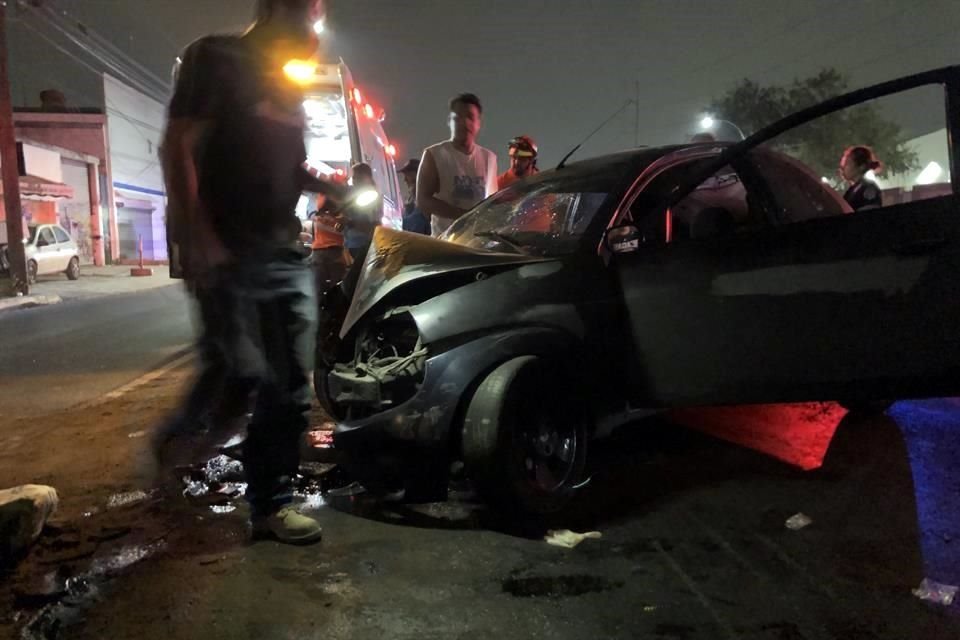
x=493, y=180
x=428, y=183
x=312, y=184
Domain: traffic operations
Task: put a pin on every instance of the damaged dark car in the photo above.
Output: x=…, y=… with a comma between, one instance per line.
x=692, y=275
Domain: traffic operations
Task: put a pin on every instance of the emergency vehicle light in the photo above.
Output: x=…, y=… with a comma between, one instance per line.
x=368, y=110
x=300, y=71
x=356, y=96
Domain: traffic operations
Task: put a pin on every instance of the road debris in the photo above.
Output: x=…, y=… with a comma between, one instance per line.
x=569, y=539
x=935, y=592
x=127, y=498
x=223, y=468
x=214, y=483
x=220, y=509
x=798, y=521
x=137, y=434
x=23, y=512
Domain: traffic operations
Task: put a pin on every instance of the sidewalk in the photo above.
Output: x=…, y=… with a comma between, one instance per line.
x=94, y=282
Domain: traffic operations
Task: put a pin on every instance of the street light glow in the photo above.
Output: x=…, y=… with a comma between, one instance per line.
x=318, y=26
x=707, y=122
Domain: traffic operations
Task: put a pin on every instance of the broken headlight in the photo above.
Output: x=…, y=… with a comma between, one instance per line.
x=387, y=368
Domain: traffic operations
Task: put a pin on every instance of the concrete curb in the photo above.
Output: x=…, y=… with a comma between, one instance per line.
x=25, y=302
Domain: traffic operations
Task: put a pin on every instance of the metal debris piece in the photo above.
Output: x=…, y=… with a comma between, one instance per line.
x=194, y=488
x=935, y=592
x=222, y=508
x=137, y=434
x=223, y=468
x=569, y=539
x=798, y=521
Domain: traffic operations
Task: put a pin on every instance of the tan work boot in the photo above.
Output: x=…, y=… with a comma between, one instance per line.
x=288, y=526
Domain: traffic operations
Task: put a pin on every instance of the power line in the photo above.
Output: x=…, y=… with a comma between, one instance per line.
x=118, y=63
x=105, y=43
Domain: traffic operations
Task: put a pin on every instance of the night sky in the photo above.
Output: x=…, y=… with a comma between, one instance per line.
x=553, y=69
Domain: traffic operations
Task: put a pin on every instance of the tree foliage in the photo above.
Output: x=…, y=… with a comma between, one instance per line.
x=819, y=144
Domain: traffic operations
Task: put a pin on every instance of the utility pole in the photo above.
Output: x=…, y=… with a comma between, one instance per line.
x=11, y=171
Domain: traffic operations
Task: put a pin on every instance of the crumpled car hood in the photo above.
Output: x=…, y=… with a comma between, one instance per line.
x=397, y=258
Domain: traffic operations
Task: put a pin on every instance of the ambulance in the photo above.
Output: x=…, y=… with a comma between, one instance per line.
x=343, y=128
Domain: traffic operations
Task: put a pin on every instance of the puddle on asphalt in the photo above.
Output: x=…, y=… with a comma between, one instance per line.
x=558, y=586
x=78, y=593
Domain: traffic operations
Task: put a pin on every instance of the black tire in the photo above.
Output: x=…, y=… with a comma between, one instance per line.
x=321, y=388
x=524, y=438
x=32, y=271
x=73, y=269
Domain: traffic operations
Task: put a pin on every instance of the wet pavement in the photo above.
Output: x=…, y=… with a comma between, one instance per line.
x=694, y=545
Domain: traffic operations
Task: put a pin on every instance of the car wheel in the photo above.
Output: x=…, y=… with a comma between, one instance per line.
x=32, y=271
x=73, y=269
x=524, y=438
x=321, y=388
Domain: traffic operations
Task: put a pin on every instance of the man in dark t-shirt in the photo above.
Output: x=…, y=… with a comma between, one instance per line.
x=233, y=159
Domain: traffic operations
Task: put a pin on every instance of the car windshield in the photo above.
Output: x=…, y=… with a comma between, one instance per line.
x=546, y=216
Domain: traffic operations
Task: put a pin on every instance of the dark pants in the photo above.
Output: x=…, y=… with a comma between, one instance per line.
x=329, y=267
x=359, y=253
x=270, y=311
x=217, y=397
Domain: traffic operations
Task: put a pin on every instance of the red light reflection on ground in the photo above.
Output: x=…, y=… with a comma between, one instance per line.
x=795, y=433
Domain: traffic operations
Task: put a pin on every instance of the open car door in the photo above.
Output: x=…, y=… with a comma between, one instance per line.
x=795, y=297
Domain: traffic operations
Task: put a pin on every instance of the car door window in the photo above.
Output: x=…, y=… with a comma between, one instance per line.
x=46, y=238
x=61, y=235
x=726, y=202
x=905, y=139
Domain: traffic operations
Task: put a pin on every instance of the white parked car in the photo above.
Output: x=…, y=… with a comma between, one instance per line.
x=50, y=249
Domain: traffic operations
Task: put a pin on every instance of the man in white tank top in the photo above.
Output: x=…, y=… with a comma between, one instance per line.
x=457, y=174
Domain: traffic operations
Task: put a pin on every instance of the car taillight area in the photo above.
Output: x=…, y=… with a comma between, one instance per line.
x=387, y=367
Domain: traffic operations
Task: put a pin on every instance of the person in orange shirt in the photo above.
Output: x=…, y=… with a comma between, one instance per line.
x=327, y=259
x=523, y=161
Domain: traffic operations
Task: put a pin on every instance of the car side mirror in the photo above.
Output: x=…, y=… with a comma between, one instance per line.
x=624, y=238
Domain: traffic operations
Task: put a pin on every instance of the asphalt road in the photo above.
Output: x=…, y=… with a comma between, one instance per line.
x=694, y=544
x=54, y=357
x=694, y=547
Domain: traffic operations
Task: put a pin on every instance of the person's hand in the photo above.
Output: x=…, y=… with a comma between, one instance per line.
x=207, y=251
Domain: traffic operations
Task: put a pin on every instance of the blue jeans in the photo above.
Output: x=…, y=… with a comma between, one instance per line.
x=269, y=309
